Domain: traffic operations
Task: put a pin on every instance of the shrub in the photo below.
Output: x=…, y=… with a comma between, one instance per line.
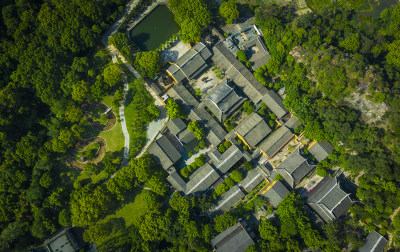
x=221, y=148
x=190, y=154
x=194, y=166
x=221, y=189
x=278, y=177
x=270, y=210
x=306, y=151
x=272, y=116
x=248, y=64
x=202, y=144
x=197, y=148
x=92, y=168
x=230, y=127
x=227, y=144
x=321, y=171
x=237, y=176
x=271, y=123
x=198, y=92
x=200, y=160
x=229, y=182
x=226, y=34
x=298, y=129
x=263, y=105
x=185, y=172
x=248, y=108
x=261, y=112
x=247, y=166
x=240, y=141
x=277, y=85
x=190, y=168
x=245, y=147
x=241, y=56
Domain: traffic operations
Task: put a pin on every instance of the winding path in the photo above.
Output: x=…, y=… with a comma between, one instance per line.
x=81, y=146
x=83, y=143
x=153, y=127
x=125, y=160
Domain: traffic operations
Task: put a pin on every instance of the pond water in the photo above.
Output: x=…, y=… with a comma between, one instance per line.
x=156, y=28
x=373, y=8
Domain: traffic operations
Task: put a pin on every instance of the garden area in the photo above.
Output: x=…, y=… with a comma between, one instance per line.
x=268, y=116
x=239, y=116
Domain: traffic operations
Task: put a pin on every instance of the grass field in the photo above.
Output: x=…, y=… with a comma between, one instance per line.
x=317, y=5
x=95, y=178
x=90, y=147
x=114, y=137
x=132, y=211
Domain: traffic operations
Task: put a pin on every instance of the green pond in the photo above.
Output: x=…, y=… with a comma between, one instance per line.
x=155, y=29
x=373, y=8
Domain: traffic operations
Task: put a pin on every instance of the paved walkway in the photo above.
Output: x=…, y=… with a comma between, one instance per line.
x=125, y=160
x=154, y=126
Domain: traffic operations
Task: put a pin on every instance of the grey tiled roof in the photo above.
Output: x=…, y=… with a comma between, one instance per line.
x=201, y=179
x=276, y=193
x=229, y=199
x=321, y=150
x=223, y=100
x=186, y=137
x=183, y=96
x=233, y=239
x=215, y=133
x=328, y=199
x=262, y=56
x=252, y=179
x=176, y=181
x=197, y=183
x=278, y=139
x=62, y=241
x=176, y=125
x=294, y=168
x=374, y=242
x=238, y=73
x=191, y=64
x=293, y=123
x=223, y=162
x=253, y=129
x=274, y=103
x=165, y=152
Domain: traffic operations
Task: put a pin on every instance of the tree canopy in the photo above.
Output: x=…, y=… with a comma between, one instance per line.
x=193, y=16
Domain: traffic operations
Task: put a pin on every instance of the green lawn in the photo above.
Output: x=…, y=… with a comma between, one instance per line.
x=317, y=5
x=108, y=100
x=95, y=178
x=90, y=147
x=114, y=137
x=132, y=211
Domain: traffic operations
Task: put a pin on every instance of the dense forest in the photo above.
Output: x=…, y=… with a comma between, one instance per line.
x=52, y=62
x=343, y=56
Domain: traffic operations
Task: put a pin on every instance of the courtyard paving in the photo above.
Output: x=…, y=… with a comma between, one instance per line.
x=173, y=53
x=210, y=81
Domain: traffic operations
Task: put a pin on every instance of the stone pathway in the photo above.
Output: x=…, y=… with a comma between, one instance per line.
x=159, y=124
x=125, y=160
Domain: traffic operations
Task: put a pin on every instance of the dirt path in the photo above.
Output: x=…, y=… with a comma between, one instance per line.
x=82, y=144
